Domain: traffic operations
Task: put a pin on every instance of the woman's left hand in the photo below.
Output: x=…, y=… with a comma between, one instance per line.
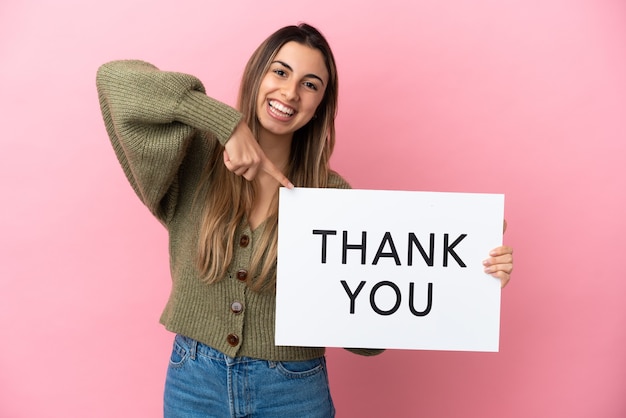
x=500, y=264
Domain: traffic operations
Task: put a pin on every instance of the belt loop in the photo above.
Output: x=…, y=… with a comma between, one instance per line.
x=193, y=348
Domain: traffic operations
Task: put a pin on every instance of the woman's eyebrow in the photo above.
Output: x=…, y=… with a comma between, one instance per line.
x=284, y=64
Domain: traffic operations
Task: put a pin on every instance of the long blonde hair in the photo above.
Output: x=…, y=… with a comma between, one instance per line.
x=227, y=198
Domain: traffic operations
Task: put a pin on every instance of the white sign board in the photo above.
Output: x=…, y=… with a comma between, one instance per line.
x=387, y=269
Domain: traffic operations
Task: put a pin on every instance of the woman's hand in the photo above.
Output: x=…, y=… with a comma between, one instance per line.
x=243, y=156
x=500, y=263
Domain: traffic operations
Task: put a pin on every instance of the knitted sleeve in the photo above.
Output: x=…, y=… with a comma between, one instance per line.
x=335, y=181
x=366, y=351
x=151, y=116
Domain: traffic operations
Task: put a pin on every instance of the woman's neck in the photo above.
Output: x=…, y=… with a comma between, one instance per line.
x=276, y=148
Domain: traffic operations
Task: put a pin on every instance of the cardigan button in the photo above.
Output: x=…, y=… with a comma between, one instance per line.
x=232, y=340
x=242, y=275
x=244, y=241
x=236, y=307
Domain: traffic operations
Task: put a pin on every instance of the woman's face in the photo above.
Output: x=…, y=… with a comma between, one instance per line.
x=291, y=90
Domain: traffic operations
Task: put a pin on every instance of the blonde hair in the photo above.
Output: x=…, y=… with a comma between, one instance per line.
x=227, y=198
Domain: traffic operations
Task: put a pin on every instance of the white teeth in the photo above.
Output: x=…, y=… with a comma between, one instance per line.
x=283, y=109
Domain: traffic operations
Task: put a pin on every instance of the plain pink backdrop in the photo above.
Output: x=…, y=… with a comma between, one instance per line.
x=526, y=98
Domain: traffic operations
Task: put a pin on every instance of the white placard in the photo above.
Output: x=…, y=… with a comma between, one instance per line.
x=387, y=269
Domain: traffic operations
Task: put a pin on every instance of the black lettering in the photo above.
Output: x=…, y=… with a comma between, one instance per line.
x=392, y=246
x=373, y=297
x=412, y=304
x=347, y=247
x=351, y=295
x=428, y=258
x=324, y=233
x=449, y=249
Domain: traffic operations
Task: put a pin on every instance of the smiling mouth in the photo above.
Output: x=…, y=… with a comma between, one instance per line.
x=280, y=109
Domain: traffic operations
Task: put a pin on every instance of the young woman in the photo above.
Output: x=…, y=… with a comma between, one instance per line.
x=210, y=174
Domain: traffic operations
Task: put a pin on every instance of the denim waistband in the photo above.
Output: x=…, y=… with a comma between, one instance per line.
x=195, y=348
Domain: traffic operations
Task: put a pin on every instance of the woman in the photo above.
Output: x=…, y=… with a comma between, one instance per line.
x=210, y=174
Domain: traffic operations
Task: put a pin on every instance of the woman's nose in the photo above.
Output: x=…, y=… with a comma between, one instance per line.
x=289, y=91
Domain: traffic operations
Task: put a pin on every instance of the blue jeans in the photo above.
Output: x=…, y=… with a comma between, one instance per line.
x=203, y=382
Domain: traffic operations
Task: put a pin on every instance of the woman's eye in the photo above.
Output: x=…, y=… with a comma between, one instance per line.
x=310, y=85
x=280, y=72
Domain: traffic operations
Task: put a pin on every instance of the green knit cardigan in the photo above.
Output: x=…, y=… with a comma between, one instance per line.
x=163, y=128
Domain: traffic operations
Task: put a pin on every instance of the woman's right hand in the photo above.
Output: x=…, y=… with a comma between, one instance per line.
x=243, y=156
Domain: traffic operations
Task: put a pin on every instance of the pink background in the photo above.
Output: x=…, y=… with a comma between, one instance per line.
x=526, y=98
